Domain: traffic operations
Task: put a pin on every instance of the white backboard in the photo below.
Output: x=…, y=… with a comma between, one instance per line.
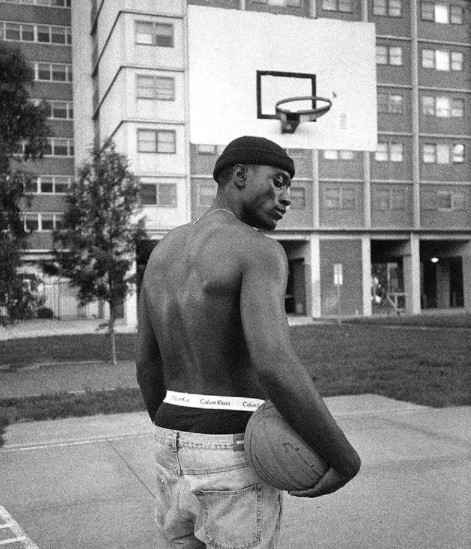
x=242, y=62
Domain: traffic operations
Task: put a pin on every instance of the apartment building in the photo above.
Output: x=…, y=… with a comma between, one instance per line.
x=368, y=230
x=41, y=29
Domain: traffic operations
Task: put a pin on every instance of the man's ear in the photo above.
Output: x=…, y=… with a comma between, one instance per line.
x=240, y=175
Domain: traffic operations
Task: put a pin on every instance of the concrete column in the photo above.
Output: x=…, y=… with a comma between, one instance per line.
x=130, y=305
x=415, y=112
x=443, y=285
x=366, y=274
x=466, y=259
x=315, y=189
x=313, y=258
x=411, y=266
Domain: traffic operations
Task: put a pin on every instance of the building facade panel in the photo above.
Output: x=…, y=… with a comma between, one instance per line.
x=37, y=14
x=158, y=148
x=390, y=18
x=285, y=7
x=393, y=63
x=445, y=206
x=391, y=206
x=344, y=299
x=348, y=10
x=394, y=109
x=444, y=20
x=154, y=41
x=445, y=112
x=156, y=94
x=341, y=204
x=393, y=158
x=444, y=65
x=443, y=159
x=340, y=164
x=299, y=214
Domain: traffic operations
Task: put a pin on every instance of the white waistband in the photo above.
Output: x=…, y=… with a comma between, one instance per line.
x=213, y=402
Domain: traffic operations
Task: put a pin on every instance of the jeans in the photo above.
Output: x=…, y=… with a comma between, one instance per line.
x=208, y=495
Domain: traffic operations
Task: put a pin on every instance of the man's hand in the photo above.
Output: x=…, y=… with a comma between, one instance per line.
x=330, y=482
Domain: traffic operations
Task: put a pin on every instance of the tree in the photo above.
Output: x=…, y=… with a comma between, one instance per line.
x=23, y=137
x=96, y=245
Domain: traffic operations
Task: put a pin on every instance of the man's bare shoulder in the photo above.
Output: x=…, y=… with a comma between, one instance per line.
x=257, y=248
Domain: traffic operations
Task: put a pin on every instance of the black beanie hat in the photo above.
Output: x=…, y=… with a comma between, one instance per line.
x=253, y=150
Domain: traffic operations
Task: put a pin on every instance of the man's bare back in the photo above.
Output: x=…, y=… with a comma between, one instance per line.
x=192, y=286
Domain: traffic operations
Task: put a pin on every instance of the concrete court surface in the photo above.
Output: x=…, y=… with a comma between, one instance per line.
x=88, y=483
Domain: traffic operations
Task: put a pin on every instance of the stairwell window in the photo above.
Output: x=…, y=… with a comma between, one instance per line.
x=344, y=6
x=387, y=8
x=155, y=87
x=154, y=34
x=156, y=141
x=158, y=194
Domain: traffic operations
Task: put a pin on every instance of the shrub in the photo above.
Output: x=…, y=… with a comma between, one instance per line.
x=45, y=312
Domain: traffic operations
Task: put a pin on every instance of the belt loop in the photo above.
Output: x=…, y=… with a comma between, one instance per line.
x=175, y=443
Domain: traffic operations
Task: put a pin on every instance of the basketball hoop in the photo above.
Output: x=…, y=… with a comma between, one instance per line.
x=290, y=120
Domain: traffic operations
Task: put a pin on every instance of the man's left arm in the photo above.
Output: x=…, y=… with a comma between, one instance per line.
x=149, y=367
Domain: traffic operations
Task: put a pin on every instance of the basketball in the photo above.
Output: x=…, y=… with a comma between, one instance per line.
x=278, y=454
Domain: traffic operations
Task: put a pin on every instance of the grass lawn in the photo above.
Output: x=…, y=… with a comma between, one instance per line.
x=424, y=359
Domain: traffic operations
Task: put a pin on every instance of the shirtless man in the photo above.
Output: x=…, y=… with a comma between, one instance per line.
x=212, y=322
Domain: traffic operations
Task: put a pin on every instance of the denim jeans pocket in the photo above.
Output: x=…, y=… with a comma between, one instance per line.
x=230, y=519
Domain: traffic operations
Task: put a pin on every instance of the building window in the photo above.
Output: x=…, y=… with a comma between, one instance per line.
x=154, y=34
x=443, y=153
x=344, y=6
x=441, y=13
x=156, y=141
x=390, y=103
x=52, y=72
x=340, y=198
x=339, y=155
x=206, y=193
x=442, y=60
x=42, y=222
x=389, y=152
x=45, y=3
x=388, y=8
x=389, y=199
x=298, y=198
x=444, y=200
x=48, y=184
x=284, y=3
x=155, y=87
x=28, y=32
x=159, y=194
x=442, y=106
x=389, y=55
x=57, y=146
x=207, y=149
x=59, y=110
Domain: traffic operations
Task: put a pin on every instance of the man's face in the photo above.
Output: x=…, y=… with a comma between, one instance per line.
x=267, y=196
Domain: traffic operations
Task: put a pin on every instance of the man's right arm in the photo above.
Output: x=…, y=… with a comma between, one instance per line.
x=287, y=382
x=149, y=367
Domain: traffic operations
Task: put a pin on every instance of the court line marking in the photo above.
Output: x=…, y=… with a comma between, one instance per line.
x=21, y=536
x=58, y=444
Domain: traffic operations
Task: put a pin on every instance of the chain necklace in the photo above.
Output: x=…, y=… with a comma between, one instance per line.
x=216, y=210
x=220, y=210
